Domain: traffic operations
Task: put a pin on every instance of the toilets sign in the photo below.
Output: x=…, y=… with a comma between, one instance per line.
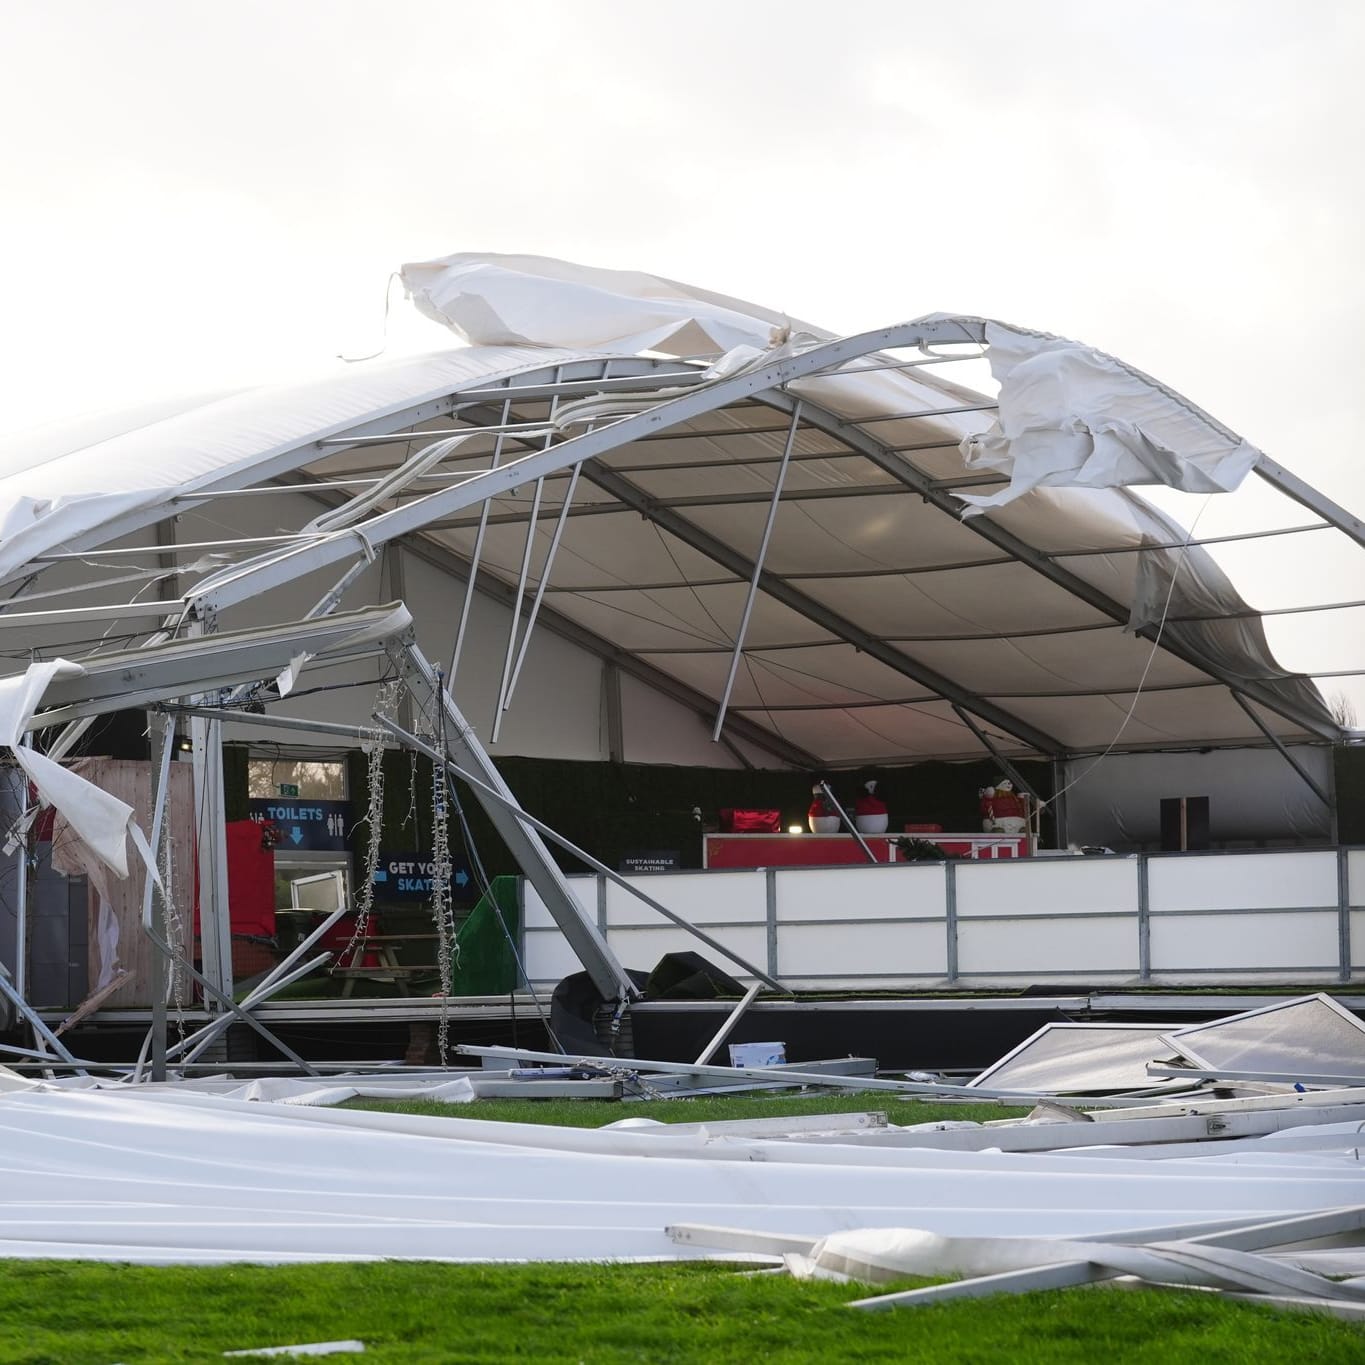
x=304, y=825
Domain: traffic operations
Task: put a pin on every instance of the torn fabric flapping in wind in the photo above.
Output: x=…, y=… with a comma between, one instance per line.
x=1073, y=417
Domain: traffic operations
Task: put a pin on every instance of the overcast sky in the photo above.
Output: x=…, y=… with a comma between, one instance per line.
x=199, y=195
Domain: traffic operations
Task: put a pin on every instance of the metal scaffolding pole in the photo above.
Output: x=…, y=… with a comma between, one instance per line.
x=505, y=682
x=477, y=554
x=485, y=793
x=21, y=871
x=848, y=820
x=511, y=824
x=1011, y=771
x=154, y=896
x=759, y=558
x=1284, y=753
x=540, y=588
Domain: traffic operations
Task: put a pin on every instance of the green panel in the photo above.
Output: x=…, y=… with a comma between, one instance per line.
x=486, y=963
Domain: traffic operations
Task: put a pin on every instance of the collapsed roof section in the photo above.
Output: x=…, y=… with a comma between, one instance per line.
x=776, y=537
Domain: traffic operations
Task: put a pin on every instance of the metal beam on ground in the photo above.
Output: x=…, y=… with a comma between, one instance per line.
x=1066, y=1274
x=788, y=1074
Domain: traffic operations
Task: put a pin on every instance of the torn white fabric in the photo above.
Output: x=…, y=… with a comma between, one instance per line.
x=878, y=1254
x=503, y=300
x=170, y=1177
x=285, y=1090
x=102, y=821
x=1073, y=417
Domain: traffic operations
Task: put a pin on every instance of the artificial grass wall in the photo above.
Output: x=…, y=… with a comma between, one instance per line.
x=486, y=965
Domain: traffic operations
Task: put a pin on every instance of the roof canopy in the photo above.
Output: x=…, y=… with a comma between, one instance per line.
x=829, y=475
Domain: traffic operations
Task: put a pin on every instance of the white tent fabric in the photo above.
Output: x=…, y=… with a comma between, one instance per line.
x=864, y=545
x=503, y=300
x=103, y=822
x=1072, y=417
x=163, y=1177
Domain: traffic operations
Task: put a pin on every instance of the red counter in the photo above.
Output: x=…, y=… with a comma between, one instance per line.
x=829, y=850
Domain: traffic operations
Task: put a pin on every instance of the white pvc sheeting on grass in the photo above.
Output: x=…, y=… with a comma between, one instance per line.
x=164, y=1177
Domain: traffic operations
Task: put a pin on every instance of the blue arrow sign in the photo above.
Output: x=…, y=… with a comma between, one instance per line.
x=296, y=834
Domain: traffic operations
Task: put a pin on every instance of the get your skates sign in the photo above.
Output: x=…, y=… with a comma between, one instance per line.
x=311, y=826
x=407, y=876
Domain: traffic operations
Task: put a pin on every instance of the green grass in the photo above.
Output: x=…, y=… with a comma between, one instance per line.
x=703, y=1109
x=77, y=1313
x=54, y=1313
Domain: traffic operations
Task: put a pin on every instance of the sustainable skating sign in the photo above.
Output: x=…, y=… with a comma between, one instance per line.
x=307, y=826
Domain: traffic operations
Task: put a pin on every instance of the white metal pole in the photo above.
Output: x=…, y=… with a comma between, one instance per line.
x=540, y=587
x=852, y=826
x=21, y=885
x=758, y=570
x=516, y=610
x=731, y=1020
x=468, y=603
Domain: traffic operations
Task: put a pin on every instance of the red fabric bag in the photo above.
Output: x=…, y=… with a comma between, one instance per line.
x=734, y=821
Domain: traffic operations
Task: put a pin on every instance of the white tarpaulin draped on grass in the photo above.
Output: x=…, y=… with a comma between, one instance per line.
x=1073, y=417
x=167, y=1177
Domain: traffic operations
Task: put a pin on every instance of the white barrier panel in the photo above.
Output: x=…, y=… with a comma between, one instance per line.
x=535, y=914
x=701, y=898
x=1075, y=947
x=641, y=948
x=545, y=952
x=1355, y=872
x=1243, y=881
x=1047, y=919
x=547, y=956
x=814, y=953
x=906, y=891
x=1047, y=887
x=1251, y=942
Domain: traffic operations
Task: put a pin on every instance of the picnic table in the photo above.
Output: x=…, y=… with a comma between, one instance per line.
x=383, y=948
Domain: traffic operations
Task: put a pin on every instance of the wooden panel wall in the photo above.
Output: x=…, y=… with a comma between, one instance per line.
x=131, y=781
